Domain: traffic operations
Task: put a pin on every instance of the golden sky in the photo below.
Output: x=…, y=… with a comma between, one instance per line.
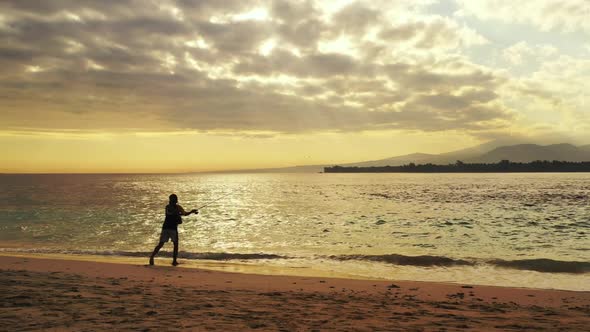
x=179, y=85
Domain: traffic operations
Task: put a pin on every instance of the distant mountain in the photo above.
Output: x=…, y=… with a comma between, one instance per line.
x=532, y=152
x=440, y=159
x=399, y=160
x=469, y=153
x=490, y=152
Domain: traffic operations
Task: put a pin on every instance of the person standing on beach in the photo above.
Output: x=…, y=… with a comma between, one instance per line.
x=174, y=213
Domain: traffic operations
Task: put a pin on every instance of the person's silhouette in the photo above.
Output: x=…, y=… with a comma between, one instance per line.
x=174, y=213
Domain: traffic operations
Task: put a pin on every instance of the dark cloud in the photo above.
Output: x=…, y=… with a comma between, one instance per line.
x=293, y=11
x=355, y=18
x=140, y=64
x=401, y=32
x=239, y=37
x=437, y=33
x=313, y=65
x=204, y=9
x=444, y=101
x=297, y=23
x=422, y=79
x=304, y=34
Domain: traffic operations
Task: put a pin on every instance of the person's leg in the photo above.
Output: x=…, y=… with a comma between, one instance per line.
x=164, y=237
x=156, y=250
x=174, y=238
x=175, y=254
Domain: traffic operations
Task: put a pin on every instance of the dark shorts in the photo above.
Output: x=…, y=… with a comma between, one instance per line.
x=169, y=234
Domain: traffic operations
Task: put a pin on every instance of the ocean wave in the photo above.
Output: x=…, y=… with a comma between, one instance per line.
x=539, y=264
x=220, y=256
x=544, y=265
x=396, y=259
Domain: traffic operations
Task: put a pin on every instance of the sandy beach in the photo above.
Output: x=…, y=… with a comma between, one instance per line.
x=54, y=294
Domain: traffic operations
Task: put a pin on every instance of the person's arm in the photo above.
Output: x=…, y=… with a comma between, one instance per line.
x=184, y=213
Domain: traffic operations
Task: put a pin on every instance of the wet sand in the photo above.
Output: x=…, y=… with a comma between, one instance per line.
x=53, y=294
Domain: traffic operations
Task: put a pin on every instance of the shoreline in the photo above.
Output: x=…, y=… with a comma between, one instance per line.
x=192, y=264
x=482, y=275
x=46, y=293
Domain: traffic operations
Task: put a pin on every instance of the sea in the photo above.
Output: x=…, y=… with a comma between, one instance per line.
x=506, y=229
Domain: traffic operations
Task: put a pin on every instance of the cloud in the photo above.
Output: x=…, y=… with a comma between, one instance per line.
x=555, y=95
x=355, y=18
x=439, y=33
x=523, y=52
x=571, y=15
x=198, y=65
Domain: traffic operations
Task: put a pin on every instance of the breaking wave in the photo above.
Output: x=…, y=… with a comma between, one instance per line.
x=540, y=264
x=218, y=256
x=406, y=260
x=544, y=265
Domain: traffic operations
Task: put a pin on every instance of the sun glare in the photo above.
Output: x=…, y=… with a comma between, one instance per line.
x=256, y=14
x=267, y=46
x=342, y=45
x=198, y=43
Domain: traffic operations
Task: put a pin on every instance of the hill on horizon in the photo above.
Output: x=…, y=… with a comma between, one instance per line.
x=490, y=152
x=531, y=152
